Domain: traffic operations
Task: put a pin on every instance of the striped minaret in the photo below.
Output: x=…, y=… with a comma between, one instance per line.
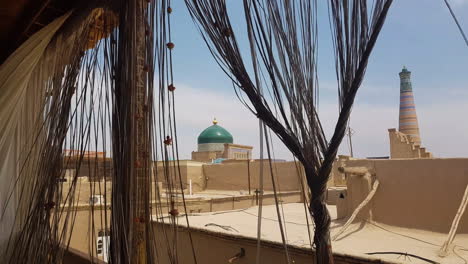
x=408, y=123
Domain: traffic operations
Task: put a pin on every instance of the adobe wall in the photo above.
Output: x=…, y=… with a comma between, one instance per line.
x=206, y=156
x=74, y=256
x=402, y=147
x=94, y=169
x=81, y=239
x=229, y=175
x=85, y=187
x=188, y=170
x=414, y=193
x=194, y=172
x=357, y=189
x=214, y=248
x=235, y=175
x=337, y=178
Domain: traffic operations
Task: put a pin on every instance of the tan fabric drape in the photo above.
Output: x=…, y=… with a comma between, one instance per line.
x=19, y=104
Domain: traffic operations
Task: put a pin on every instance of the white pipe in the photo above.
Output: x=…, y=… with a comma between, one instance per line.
x=190, y=186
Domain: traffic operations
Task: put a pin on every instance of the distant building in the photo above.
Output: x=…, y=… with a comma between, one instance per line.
x=215, y=142
x=92, y=164
x=408, y=121
x=406, y=142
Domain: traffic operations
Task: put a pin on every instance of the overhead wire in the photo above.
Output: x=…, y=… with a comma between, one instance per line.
x=283, y=40
x=462, y=33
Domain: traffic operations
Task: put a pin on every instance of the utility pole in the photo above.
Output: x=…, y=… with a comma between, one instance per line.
x=350, y=133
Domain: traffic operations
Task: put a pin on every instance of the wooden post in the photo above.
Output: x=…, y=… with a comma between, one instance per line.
x=141, y=142
x=453, y=230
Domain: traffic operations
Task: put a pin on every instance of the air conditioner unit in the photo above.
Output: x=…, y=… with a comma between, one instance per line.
x=96, y=200
x=102, y=246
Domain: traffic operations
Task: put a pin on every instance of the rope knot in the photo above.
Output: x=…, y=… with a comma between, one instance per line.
x=174, y=212
x=170, y=45
x=50, y=205
x=138, y=164
x=227, y=32
x=168, y=141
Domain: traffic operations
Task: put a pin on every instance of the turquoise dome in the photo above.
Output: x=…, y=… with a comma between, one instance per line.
x=215, y=134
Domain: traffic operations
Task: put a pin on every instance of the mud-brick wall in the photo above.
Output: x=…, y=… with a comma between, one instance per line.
x=214, y=248
x=235, y=175
x=189, y=170
x=416, y=193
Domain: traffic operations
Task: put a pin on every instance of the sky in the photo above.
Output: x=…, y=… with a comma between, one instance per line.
x=418, y=34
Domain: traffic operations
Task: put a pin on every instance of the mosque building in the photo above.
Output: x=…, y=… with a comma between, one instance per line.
x=216, y=143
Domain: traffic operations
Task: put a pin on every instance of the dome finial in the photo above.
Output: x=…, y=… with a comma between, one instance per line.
x=404, y=69
x=215, y=121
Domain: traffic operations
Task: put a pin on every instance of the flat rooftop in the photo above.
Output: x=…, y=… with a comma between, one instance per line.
x=213, y=194
x=357, y=240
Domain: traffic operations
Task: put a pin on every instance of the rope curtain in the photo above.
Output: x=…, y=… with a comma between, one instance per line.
x=38, y=163
x=105, y=82
x=283, y=40
x=107, y=97
x=17, y=120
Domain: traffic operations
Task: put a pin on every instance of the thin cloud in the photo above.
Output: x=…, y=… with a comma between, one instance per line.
x=442, y=128
x=458, y=2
